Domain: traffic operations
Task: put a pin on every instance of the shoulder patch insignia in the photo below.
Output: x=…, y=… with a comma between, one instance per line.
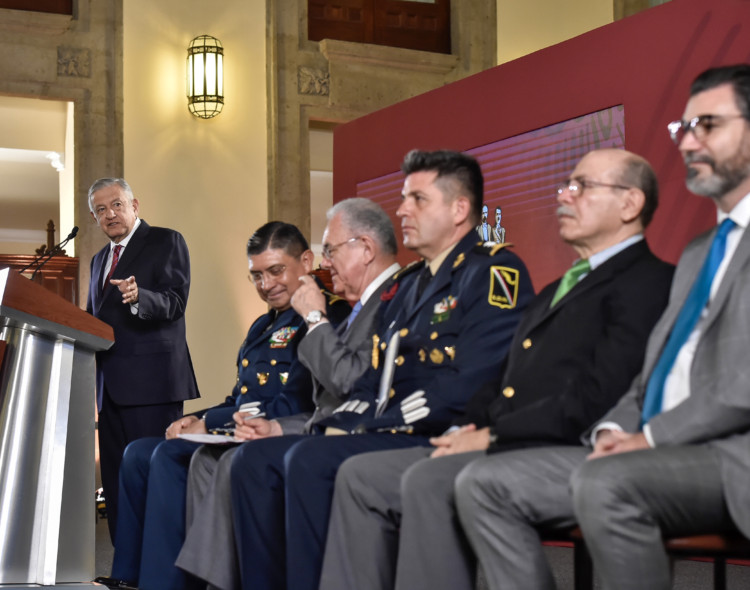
x=503, y=287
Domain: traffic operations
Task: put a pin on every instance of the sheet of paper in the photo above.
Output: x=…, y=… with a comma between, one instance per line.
x=210, y=439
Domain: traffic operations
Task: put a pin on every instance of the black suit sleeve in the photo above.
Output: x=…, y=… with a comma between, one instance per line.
x=166, y=298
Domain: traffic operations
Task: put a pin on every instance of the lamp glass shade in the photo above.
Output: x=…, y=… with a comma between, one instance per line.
x=205, y=77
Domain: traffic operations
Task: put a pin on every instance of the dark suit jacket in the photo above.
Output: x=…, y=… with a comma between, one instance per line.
x=149, y=362
x=569, y=364
x=453, y=338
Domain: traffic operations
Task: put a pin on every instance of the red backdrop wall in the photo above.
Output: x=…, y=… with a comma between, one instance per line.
x=645, y=63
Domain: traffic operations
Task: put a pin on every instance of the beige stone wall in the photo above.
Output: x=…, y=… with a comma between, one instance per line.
x=204, y=178
x=337, y=81
x=525, y=27
x=76, y=59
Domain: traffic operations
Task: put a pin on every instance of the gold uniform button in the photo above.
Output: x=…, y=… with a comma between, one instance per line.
x=403, y=332
x=273, y=362
x=399, y=360
x=526, y=344
x=436, y=356
x=382, y=345
x=433, y=336
x=243, y=389
x=245, y=362
x=509, y=392
x=422, y=354
x=391, y=393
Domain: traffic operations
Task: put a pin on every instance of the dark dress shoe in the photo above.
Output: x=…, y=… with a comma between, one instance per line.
x=114, y=583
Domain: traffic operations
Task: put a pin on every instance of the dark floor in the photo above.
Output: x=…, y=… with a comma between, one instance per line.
x=689, y=575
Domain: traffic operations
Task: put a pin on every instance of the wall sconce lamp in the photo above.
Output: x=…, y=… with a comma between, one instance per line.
x=205, y=77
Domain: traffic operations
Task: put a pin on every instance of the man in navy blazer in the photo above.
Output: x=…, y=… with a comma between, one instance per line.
x=139, y=286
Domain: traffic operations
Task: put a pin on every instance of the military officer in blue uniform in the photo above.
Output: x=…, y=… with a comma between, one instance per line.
x=445, y=332
x=270, y=381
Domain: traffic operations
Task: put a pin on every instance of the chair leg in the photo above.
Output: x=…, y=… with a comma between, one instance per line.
x=583, y=572
x=720, y=573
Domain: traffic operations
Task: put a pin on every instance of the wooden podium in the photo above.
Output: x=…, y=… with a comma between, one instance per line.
x=47, y=403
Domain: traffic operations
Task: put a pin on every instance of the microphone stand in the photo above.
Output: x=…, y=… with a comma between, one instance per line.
x=44, y=258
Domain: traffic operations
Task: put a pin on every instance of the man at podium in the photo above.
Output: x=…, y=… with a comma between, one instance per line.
x=139, y=286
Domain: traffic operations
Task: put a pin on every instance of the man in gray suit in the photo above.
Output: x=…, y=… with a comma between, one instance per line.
x=359, y=248
x=672, y=457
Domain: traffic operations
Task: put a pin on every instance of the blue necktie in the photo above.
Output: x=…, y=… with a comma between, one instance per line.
x=685, y=322
x=353, y=314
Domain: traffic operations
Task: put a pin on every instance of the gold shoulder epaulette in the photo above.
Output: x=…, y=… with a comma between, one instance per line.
x=490, y=248
x=331, y=297
x=408, y=269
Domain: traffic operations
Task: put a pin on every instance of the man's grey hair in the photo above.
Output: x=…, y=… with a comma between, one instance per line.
x=365, y=217
x=104, y=183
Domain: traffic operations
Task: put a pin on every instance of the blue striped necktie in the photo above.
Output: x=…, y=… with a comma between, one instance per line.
x=685, y=323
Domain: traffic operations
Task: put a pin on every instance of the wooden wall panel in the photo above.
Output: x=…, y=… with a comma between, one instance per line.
x=410, y=25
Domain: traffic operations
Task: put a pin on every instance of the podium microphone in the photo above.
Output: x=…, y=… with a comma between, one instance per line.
x=40, y=261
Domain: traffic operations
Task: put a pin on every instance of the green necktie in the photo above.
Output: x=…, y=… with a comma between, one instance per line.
x=570, y=280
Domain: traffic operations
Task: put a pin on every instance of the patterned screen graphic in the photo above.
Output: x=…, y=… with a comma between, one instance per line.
x=521, y=174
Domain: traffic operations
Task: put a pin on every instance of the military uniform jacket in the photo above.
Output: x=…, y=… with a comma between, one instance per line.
x=268, y=370
x=569, y=364
x=452, y=339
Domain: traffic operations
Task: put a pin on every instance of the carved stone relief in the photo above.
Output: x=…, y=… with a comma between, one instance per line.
x=312, y=81
x=72, y=61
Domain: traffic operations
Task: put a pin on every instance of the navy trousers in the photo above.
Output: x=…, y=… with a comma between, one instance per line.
x=282, y=490
x=118, y=427
x=151, y=523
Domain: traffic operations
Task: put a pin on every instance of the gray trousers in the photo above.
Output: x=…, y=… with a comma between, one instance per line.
x=502, y=498
x=393, y=523
x=625, y=504
x=209, y=550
